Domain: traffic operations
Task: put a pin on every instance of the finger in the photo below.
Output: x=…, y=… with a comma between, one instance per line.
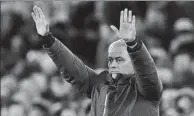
x=129, y=16
x=133, y=21
x=121, y=17
x=47, y=27
x=36, y=11
x=33, y=16
x=125, y=15
x=40, y=13
x=114, y=29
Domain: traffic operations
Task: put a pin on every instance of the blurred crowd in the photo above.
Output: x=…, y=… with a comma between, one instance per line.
x=31, y=85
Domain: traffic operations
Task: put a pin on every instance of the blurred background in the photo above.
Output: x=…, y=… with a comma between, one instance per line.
x=31, y=84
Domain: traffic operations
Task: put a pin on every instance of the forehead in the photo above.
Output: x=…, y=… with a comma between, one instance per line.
x=117, y=51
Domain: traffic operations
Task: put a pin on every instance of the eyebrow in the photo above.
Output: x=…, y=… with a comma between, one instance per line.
x=115, y=57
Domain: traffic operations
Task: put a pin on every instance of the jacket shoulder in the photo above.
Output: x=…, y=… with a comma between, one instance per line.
x=101, y=77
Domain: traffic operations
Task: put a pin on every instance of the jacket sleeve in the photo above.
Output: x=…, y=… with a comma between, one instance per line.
x=71, y=67
x=148, y=83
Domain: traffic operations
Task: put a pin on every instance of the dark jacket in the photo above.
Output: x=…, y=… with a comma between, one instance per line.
x=138, y=95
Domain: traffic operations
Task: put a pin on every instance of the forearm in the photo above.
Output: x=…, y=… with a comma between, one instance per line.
x=147, y=79
x=141, y=59
x=69, y=64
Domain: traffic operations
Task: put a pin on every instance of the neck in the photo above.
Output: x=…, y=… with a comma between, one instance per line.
x=115, y=76
x=121, y=77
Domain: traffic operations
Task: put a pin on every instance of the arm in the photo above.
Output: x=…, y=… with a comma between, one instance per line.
x=148, y=82
x=70, y=66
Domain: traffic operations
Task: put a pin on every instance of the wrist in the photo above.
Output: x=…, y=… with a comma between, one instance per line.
x=130, y=39
x=131, y=43
x=134, y=45
x=46, y=34
x=47, y=39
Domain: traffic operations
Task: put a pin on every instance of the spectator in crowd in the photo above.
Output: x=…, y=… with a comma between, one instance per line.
x=68, y=112
x=57, y=90
x=9, y=85
x=17, y=109
x=183, y=33
x=185, y=102
x=168, y=101
x=40, y=107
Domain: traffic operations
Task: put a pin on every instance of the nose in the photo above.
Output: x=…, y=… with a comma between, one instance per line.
x=113, y=64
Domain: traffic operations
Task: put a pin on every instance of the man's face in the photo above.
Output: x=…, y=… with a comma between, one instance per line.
x=35, y=112
x=16, y=110
x=185, y=103
x=119, y=61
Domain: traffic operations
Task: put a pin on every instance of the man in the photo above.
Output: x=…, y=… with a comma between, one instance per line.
x=130, y=87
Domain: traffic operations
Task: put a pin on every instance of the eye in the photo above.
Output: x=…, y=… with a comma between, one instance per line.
x=110, y=59
x=120, y=60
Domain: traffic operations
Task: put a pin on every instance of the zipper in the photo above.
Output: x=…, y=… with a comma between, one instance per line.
x=105, y=110
x=111, y=87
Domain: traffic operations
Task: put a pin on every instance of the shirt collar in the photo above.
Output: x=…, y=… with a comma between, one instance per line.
x=122, y=79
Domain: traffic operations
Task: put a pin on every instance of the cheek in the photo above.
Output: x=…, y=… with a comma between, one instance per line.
x=126, y=67
x=108, y=64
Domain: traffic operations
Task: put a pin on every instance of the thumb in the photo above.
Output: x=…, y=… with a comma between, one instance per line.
x=114, y=29
x=47, y=27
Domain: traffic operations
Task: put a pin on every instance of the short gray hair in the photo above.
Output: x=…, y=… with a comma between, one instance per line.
x=117, y=43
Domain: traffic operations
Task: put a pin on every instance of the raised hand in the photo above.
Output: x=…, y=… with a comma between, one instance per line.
x=127, y=29
x=39, y=19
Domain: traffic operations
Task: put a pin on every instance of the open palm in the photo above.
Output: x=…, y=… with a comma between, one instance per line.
x=127, y=29
x=39, y=19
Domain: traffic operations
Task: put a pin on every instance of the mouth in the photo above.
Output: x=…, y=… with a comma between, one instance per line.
x=114, y=72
